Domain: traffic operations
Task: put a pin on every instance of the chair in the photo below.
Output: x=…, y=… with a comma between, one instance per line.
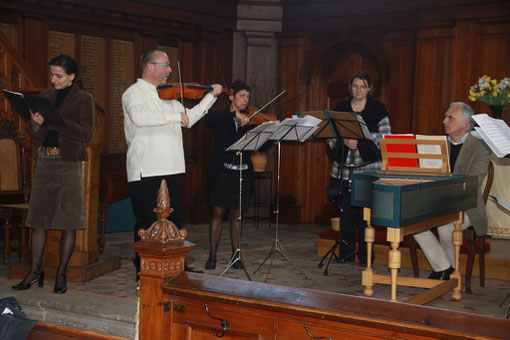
x=14, y=194
x=474, y=243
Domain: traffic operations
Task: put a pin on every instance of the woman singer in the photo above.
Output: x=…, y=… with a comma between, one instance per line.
x=357, y=156
x=57, y=201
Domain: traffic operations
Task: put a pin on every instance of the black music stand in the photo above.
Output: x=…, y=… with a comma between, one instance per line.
x=250, y=141
x=291, y=129
x=338, y=125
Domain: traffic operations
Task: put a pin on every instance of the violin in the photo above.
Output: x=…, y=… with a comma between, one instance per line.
x=257, y=118
x=171, y=91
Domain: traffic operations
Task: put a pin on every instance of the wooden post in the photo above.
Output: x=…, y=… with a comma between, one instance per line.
x=162, y=250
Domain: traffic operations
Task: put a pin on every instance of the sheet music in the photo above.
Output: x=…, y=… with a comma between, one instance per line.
x=431, y=149
x=296, y=129
x=495, y=133
x=255, y=138
x=500, y=202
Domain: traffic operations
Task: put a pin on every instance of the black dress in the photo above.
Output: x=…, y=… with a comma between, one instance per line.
x=223, y=174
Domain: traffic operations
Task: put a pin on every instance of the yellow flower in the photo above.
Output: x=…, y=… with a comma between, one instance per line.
x=494, y=94
x=474, y=99
x=508, y=95
x=482, y=93
x=494, y=81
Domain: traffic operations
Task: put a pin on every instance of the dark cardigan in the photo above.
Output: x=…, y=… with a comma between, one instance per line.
x=372, y=114
x=225, y=134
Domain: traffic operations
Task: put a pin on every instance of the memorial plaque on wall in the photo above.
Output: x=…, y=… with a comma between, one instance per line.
x=172, y=53
x=60, y=42
x=93, y=66
x=123, y=66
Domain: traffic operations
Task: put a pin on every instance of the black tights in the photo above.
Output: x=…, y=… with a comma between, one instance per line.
x=216, y=226
x=39, y=237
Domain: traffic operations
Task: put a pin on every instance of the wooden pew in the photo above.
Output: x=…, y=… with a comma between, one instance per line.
x=178, y=305
x=46, y=331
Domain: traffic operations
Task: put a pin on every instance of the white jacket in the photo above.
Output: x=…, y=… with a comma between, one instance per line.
x=153, y=131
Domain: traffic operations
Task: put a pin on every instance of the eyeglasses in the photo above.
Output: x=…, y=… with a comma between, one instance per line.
x=162, y=64
x=362, y=87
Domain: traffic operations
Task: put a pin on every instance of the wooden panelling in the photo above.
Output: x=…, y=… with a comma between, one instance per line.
x=431, y=53
x=422, y=55
x=432, y=81
x=399, y=103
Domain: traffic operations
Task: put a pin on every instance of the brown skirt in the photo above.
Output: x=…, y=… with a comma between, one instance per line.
x=56, y=201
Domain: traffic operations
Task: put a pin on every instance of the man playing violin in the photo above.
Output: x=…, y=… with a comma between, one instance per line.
x=152, y=128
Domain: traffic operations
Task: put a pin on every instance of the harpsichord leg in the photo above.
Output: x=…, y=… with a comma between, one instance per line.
x=394, y=236
x=367, y=276
x=457, y=243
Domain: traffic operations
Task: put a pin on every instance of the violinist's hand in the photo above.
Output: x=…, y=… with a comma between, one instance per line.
x=184, y=120
x=36, y=120
x=242, y=118
x=351, y=143
x=216, y=90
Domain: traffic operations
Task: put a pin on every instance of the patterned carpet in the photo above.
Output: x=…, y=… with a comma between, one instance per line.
x=297, y=245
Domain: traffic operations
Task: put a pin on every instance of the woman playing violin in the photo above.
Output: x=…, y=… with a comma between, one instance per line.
x=229, y=125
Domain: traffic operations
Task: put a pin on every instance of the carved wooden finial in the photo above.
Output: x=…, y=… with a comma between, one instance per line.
x=163, y=230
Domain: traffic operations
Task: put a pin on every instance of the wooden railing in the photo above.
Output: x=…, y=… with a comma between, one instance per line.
x=46, y=331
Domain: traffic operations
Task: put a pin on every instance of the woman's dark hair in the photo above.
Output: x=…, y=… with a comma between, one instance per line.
x=238, y=86
x=66, y=62
x=363, y=75
x=69, y=65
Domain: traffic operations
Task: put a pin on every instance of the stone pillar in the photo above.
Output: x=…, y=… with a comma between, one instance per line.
x=256, y=48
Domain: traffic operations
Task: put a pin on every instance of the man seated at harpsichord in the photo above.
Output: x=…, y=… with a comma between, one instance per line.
x=469, y=156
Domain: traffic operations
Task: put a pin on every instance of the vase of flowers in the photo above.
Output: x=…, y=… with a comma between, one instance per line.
x=494, y=93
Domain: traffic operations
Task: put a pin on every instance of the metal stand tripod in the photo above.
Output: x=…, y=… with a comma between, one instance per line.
x=277, y=246
x=338, y=242
x=351, y=251
x=238, y=256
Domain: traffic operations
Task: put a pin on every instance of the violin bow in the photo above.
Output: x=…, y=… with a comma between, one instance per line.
x=267, y=104
x=180, y=84
x=221, y=74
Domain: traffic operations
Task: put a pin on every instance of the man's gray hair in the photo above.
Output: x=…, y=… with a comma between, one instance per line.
x=467, y=112
x=147, y=58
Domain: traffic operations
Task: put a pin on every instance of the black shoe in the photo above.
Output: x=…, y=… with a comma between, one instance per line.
x=442, y=275
x=238, y=265
x=347, y=258
x=363, y=260
x=25, y=285
x=62, y=289
x=210, y=264
x=446, y=274
x=192, y=270
x=435, y=275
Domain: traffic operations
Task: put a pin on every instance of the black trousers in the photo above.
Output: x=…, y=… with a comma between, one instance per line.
x=143, y=199
x=351, y=222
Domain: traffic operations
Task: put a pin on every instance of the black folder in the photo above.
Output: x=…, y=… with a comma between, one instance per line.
x=24, y=104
